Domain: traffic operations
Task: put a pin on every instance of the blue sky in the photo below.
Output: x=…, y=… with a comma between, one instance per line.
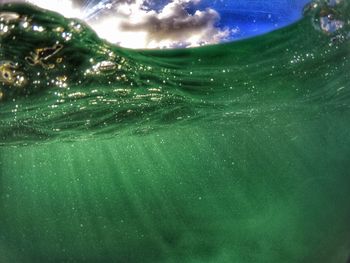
x=257, y=17
x=252, y=17
x=177, y=23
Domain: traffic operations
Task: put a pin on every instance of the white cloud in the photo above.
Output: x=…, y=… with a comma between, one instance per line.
x=173, y=26
x=129, y=23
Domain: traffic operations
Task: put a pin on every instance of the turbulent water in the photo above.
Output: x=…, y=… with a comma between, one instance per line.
x=236, y=152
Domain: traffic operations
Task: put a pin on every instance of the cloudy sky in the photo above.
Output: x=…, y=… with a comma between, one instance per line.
x=177, y=23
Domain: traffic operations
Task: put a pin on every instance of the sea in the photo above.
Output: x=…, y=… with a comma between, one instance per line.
x=230, y=153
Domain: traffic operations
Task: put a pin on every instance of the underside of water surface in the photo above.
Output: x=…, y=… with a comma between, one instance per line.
x=236, y=152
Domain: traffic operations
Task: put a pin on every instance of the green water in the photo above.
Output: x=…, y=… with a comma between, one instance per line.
x=228, y=153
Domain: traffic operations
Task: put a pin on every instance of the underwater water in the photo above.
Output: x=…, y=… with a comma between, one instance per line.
x=236, y=152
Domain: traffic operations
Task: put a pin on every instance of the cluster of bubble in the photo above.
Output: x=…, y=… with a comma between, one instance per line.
x=331, y=17
x=12, y=76
x=9, y=71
